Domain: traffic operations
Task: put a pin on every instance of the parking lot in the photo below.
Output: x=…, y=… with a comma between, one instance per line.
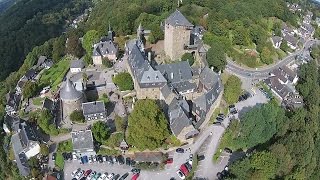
x=98, y=167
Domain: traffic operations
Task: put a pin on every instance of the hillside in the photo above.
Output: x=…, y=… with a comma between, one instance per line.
x=5, y=4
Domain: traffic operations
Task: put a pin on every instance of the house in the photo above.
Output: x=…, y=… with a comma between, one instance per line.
x=291, y=41
x=25, y=145
x=285, y=75
x=179, y=120
x=13, y=102
x=11, y=124
x=44, y=62
x=76, y=66
x=276, y=41
x=104, y=50
x=83, y=143
x=279, y=89
x=30, y=74
x=152, y=157
x=293, y=101
x=287, y=30
x=210, y=85
x=94, y=110
x=20, y=85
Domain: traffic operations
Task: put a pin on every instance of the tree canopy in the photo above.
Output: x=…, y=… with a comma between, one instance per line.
x=232, y=89
x=100, y=131
x=147, y=117
x=188, y=57
x=77, y=116
x=124, y=81
x=30, y=89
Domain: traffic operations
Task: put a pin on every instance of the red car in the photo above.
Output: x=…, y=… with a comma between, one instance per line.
x=169, y=161
x=135, y=177
x=87, y=172
x=184, y=170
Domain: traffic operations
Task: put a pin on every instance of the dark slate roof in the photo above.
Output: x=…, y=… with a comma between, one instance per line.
x=166, y=91
x=30, y=73
x=176, y=72
x=289, y=73
x=48, y=104
x=105, y=47
x=82, y=140
x=279, y=88
x=12, y=122
x=207, y=99
x=27, y=134
x=184, y=86
x=77, y=63
x=208, y=78
x=177, y=19
x=278, y=73
x=291, y=39
x=148, y=156
x=276, y=39
x=21, y=159
x=93, y=107
x=178, y=115
x=13, y=99
x=68, y=92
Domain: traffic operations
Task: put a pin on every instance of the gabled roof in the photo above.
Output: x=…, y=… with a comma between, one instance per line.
x=279, y=88
x=12, y=123
x=276, y=39
x=206, y=100
x=13, y=99
x=20, y=157
x=82, y=140
x=176, y=72
x=30, y=73
x=68, y=92
x=94, y=107
x=105, y=47
x=291, y=39
x=208, y=78
x=290, y=73
x=177, y=19
x=41, y=60
x=77, y=63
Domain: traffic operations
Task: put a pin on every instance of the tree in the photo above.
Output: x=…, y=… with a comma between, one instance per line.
x=100, y=131
x=124, y=81
x=232, y=89
x=85, y=77
x=91, y=37
x=120, y=123
x=315, y=52
x=106, y=62
x=77, y=116
x=188, y=57
x=44, y=150
x=74, y=46
x=216, y=57
x=266, y=56
x=30, y=89
x=147, y=117
x=59, y=48
x=284, y=46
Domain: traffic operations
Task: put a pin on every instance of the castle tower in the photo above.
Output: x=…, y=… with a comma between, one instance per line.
x=177, y=33
x=71, y=98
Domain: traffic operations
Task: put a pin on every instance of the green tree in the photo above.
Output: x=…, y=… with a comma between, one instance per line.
x=120, y=123
x=59, y=48
x=85, y=77
x=284, y=46
x=30, y=89
x=100, y=131
x=188, y=57
x=216, y=57
x=124, y=81
x=147, y=117
x=232, y=89
x=44, y=150
x=74, y=46
x=266, y=56
x=315, y=52
x=91, y=37
x=77, y=116
x=107, y=63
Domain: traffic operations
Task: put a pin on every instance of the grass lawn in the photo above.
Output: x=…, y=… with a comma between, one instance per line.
x=59, y=161
x=54, y=76
x=37, y=101
x=224, y=77
x=65, y=146
x=105, y=151
x=114, y=140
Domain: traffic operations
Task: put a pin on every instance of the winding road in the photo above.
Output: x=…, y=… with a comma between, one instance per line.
x=262, y=73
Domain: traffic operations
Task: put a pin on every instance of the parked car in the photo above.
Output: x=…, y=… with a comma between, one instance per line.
x=94, y=158
x=87, y=173
x=74, y=156
x=75, y=172
x=116, y=177
x=85, y=159
x=135, y=170
x=102, y=177
x=233, y=109
x=217, y=123
x=79, y=174
x=90, y=159
x=120, y=160
x=219, y=119
x=97, y=176
x=135, y=177
x=180, y=150
x=123, y=177
x=181, y=175
x=104, y=158
x=221, y=115
x=110, y=176
x=227, y=150
x=54, y=155
x=128, y=161
x=184, y=169
x=91, y=175
x=169, y=161
x=200, y=157
x=188, y=166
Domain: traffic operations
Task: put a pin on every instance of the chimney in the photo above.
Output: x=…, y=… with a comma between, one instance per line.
x=149, y=56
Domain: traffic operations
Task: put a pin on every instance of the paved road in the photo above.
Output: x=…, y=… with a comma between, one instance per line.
x=262, y=73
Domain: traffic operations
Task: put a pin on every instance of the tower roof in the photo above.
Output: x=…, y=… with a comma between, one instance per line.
x=177, y=19
x=68, y=92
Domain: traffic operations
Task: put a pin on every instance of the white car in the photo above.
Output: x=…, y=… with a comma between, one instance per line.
x=75, y=172
x=190, y=159
x=90, y=159
x=180, y=174
x=102, y=177
x=110, y=176
x=94, y=158
x=79, y=174
x=74, y=157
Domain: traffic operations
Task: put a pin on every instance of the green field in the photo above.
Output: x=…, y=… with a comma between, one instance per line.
x=54, y=76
